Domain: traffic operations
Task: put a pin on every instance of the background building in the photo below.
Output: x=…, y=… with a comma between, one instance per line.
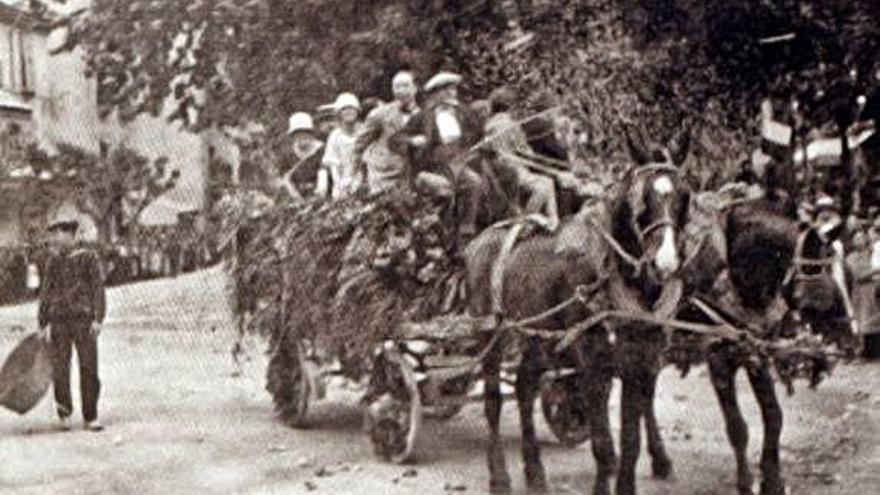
x=48, y=98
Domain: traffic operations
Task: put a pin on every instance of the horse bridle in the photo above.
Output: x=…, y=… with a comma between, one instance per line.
x=659, y=224
x=638, y=263
x=654, y=168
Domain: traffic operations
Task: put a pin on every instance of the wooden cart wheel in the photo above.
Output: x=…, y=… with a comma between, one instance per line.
x=288, y=382
x=394, y=415
x=565, y=411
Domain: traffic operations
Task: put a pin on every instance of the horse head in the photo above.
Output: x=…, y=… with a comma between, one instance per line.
x=652, y=208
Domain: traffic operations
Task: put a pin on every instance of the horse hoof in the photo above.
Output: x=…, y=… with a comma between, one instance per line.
x=773, y=487
x=536, y=480
x=538, y=486
x=625, y=490
x=499, y=487
x=627, y=487
x=663, y=470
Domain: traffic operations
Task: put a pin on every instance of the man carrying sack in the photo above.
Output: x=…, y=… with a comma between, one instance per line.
x=72, y=307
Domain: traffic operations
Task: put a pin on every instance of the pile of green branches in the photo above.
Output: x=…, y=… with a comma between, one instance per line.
x=341, y=275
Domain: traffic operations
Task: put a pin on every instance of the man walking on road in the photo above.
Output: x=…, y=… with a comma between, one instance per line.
x=72, y=307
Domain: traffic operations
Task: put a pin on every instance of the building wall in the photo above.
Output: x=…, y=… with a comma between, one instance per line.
x=70, y=115
x=64, y=110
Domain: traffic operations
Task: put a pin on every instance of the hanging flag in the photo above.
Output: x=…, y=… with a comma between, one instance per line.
x=827, y=151
x=776, y=137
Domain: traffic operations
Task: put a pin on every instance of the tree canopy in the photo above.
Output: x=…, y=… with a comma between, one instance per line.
x=113, y=189
x=231, y=62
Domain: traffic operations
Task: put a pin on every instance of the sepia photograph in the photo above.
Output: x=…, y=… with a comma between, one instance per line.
x=452, y=247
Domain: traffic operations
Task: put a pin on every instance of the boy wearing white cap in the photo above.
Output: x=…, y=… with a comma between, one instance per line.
x=340, y=174
x=299, y=180
x=385, y=168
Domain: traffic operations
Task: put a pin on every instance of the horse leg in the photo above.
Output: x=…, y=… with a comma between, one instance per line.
x=598, y=390
x=528, y=384
x=499, y=479
x=765, y=392
x=632, y=408
x=661, y=465
x=723, y=374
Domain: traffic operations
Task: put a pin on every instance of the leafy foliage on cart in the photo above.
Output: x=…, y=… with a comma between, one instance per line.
x=342, y=275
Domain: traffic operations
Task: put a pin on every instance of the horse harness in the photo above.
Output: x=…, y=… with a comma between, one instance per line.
x=638, y=263
x=829, y=266
x=666, y=221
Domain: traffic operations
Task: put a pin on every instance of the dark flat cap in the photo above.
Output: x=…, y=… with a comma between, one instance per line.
x=503, y=98
x=70, y=226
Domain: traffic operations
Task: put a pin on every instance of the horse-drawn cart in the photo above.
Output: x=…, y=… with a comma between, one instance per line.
x=360, y=290
x=430, y=370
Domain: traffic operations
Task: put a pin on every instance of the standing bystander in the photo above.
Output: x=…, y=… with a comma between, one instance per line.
x=71, y=311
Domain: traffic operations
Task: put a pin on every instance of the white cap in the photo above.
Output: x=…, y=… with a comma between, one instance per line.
x=441, y=80
x=347, y=100
x=402, y=77
x=300, y=121
x=824, y=201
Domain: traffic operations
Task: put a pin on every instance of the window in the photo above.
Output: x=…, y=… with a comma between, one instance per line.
x=26, y=62
x=17, y=66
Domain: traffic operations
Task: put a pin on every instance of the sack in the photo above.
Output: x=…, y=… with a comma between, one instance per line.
x=26, y=375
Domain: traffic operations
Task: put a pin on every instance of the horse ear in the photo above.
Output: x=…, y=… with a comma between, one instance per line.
x=679, y=146
x=636, y=146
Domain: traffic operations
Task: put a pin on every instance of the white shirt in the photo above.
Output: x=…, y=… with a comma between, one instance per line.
x=448, y=126
x=875, y=256
x=340, y=162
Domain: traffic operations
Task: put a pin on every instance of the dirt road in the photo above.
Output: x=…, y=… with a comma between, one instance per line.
x=178, y=421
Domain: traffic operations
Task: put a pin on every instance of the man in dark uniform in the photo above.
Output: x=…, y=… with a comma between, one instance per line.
x=72, y=307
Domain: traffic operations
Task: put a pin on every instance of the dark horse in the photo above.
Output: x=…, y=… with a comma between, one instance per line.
x=783, y=276
x=541, y=272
